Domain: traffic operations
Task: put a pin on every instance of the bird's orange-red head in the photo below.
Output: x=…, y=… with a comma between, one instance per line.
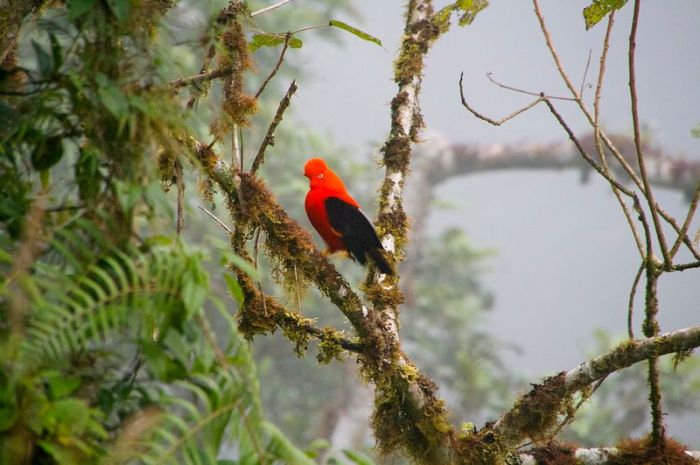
x=321, y=176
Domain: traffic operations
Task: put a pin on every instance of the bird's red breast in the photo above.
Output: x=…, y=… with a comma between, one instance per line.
x=338, y=219
x=324, y=183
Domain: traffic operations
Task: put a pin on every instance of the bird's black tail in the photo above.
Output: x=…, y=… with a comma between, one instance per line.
x=378, y=258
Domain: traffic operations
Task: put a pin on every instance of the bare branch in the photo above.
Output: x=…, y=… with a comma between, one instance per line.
x=270, y=136
x=648, y=192
x=572, y=136
x=486, y=118
x=204, y=76
x=630, y=303
x=180, y=181
x=269, y=8
x=527, y=92
x=585, y=74
x=214, y=217
x=269, y=77
x=688, y=219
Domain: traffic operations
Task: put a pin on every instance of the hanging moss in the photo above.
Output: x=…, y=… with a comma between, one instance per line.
x=554, y=453
x=536, y=413
x=409, y=64
x=421, y=431
x=329, y=347
x=644, y=452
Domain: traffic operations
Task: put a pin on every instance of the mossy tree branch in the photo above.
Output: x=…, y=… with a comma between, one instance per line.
x=537, y=411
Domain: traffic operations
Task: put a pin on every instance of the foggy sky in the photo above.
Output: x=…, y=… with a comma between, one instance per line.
x=565, y=258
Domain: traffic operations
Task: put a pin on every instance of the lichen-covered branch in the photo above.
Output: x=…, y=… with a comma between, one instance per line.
x=628, y=452
x=288, y=244
x=537, y=412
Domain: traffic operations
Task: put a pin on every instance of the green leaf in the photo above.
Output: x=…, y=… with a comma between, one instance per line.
x=47, y=153
x=599, y=9
x=358, y=458
x=193, y=296
x=695, y=132
x=120, y=8
x=272, y=40
x=62, y=385
x=234, y=288
x=43, y=59
x=469, y=9
x=77, y=8
x=60, y=453
x=228, y=257
x=86, y=174
x=68, y=416
x=56, y=51
x=353, y=30
x=8, y=417
x=112, y=97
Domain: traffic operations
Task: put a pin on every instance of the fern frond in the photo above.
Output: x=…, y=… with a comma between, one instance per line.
x=119, y=294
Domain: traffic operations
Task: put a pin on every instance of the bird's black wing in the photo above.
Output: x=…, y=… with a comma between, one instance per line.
x=357, y=232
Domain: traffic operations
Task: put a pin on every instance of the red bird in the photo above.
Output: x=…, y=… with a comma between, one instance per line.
x=338, y=219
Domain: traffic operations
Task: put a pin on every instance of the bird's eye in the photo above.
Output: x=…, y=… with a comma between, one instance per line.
x=320, y=176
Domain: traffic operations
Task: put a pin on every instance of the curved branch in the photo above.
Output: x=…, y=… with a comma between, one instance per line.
x=550, y=397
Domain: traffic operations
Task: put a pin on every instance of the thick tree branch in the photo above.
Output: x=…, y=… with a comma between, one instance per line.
x=287, y=242
x=600, y=456
x=466, y=159
x=537, y=411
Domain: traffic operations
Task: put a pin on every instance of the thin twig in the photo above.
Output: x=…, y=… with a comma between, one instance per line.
x=179, y=180
x=569, y=84
x=486, y=118
x=270, y=136
x=597, y=134
x=585, y=73
x=223, y=225
x=287, y=36
x=601, y=74
x=235, y=150
x=583, y=153
x=685, y=266
x=296, y=284
x=688, y=220
x=553, y=51
x=648, y=192
x=269, y=8
x=526, y=92
x=255, y=254
x=674, y=224
x=203, y=76
x=630, y=304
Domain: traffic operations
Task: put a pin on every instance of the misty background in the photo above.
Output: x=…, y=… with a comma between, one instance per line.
x=564, y=258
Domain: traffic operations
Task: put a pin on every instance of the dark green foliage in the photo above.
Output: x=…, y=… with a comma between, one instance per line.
x=108, y=352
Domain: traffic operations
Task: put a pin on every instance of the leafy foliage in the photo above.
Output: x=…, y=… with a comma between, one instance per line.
x=466, y=9
x=599, y=9
x=113, y=347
